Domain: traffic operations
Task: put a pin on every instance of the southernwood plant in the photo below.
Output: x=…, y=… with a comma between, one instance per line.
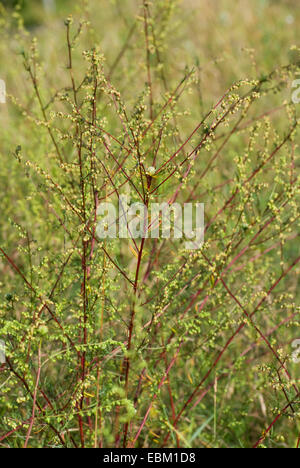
x=142, y=343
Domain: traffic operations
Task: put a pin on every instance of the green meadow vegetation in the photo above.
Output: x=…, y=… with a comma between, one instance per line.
x=141, y=342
